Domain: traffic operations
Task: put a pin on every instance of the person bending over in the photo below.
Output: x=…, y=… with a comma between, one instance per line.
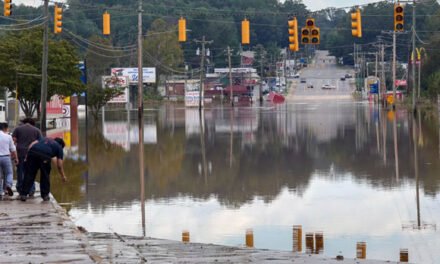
x=38, y=158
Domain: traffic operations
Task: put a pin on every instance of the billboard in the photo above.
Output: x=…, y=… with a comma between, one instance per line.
x=148, y=74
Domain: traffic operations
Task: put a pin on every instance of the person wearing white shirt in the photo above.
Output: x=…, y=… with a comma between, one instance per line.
x=7, y=151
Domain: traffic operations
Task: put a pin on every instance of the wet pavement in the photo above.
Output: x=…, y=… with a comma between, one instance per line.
x=352, y=171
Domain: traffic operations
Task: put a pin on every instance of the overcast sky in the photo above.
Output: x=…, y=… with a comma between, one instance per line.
x=320, y=4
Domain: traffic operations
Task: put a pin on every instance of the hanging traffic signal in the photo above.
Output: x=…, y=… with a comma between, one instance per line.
x=315, y=36
x=106, y=23
x=182, y=29
x=305, y=36
x=58, y=16
x=398, y=18
x=356, y=24
x=310, y=34
x=7, y=5
x=245, y=32
x=293, y=34
x=310, y=22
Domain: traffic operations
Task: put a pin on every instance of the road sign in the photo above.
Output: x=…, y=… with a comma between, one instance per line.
x=66, y=110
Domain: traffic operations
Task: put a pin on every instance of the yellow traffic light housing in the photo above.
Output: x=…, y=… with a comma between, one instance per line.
x=245, y=32
x=182, y=29
x=398, y=18
x=310, y=34
x=305, y=36
x=356, y=24
x=315, y=36
x=58, y=16
x=293, y=34
x=106, y=23
x=7, y=5
x=310, y=22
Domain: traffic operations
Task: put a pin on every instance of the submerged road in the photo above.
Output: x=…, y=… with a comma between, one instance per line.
x=322, y=71
x=41, y=232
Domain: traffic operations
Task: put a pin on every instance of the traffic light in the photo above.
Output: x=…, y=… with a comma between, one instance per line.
x=305, y=36
x=245, y=32
x=58, y=16
x=106, y=23
x=182, y=29
x=310, y=34
x=310, y=22
x=293, y=34
x=315, y=36
x=7, y=5
x=398, y=18
x=356, y=24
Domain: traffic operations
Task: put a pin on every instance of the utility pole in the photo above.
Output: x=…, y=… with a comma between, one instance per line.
x=382, y=77
x=394, y=69
x=414, y=54
x=261, y=78
x=202, y=70
x=355, y=64
x=43, y=96
x=141, y=115
x=375, y=68
x=230, y=76
x=418, y=79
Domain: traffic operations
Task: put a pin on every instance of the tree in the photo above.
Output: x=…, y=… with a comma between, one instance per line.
x=98, y=97
x=161, y=48
x=20, y=68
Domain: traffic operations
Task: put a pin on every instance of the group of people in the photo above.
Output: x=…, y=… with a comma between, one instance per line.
x=30, y=152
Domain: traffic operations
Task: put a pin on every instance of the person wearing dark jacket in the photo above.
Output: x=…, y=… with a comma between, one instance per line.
x=23, y=136
x=39, y=157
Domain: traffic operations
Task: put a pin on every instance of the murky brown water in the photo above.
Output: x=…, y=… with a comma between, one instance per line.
x=329, y=167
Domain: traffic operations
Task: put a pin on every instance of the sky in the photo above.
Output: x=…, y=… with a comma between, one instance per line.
x=311, y=4
x=321, y=4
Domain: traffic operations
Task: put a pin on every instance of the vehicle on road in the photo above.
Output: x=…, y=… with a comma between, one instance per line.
x=303, y=80
x=296, y=76
x=309, y=85
x=347, y=76
x=328, y=86
x=343, y=78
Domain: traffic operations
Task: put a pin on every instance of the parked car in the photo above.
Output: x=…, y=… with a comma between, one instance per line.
x=309, y=85
x=303, y=80
x=328, y=86
x=296, y=76
x=343, y=78
x=347, y=76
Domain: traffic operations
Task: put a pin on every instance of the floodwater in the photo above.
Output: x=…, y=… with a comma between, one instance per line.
x=346, y=169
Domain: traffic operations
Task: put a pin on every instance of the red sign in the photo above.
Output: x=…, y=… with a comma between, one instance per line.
x=55, y=105
x=401, y=83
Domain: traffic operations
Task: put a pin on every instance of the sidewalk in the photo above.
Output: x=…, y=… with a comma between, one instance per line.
x=40, y=232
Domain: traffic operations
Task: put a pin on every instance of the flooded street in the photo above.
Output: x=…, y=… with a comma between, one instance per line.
x=346, y=169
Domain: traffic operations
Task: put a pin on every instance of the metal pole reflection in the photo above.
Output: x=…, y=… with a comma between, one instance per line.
x=202, y=143
x=384, y=137
x=396, y=154
x=377, y=134
x=231, y=138
x=416, y=169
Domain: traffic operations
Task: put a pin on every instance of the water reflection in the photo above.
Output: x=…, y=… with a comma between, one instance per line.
x=319, y=165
